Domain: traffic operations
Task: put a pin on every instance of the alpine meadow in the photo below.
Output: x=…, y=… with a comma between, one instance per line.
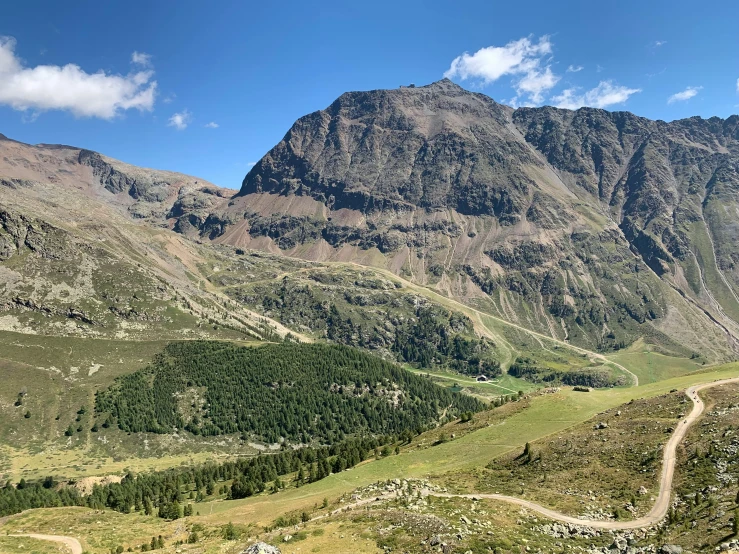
x=423, y=320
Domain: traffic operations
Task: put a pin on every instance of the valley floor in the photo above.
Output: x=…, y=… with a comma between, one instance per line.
x=492, y=435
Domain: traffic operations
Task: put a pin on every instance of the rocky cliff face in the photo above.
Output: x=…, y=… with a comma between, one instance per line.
x=594, y=227
x=589, y=225
x=85, y=249
x=140, y=193
x=432, y=147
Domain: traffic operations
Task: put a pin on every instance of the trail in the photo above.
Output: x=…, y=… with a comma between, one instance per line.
x=71, y=543
x=464, y=307
x=715, y=263
x=661, y=505
x=477, y=317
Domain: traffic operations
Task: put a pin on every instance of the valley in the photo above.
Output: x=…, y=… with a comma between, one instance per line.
x=424, y=315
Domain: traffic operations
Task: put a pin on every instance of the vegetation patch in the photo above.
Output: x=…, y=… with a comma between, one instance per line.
x=298, y=392
x=622, y=446
x=527, y=368
x=705, y=508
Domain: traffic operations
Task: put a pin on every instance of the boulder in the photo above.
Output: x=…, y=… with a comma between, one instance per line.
x=261, y=548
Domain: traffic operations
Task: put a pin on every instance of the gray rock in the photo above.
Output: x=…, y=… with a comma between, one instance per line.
x=261, y=548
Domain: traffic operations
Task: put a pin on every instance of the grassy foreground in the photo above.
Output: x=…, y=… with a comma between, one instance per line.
x=496, y=433
x=547, y=414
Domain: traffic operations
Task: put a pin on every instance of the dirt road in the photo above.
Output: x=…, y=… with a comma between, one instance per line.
x=72, y=544
x=656, y=514
x=662, y=504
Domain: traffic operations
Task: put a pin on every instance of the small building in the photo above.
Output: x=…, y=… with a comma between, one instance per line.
x=481, y=379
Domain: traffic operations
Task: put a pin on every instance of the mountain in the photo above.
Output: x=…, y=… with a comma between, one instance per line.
x=86, y=250
x=592, y=226
x=595, y=228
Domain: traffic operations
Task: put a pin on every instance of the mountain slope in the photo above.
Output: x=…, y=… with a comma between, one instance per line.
x=85, y=250
x=590, y=226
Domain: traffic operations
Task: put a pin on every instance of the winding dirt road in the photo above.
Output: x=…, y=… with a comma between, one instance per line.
x=656, y=514
x=71, y=543
x=658, y=511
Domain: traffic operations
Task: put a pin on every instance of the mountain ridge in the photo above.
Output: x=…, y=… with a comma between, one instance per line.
x=589, y=226
x=415, y=173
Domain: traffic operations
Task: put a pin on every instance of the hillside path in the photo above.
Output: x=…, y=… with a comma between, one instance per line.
x=71, y=543
x=430, y=293
x=656, y=514
x=662, y=504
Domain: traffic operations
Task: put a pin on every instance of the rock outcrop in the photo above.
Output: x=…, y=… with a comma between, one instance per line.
x=606, y=220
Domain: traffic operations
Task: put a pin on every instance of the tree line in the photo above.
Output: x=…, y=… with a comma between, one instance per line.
x=298, y=392
x=170, y=494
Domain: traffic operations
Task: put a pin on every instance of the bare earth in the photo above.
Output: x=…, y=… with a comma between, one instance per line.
x=71, y=543
x=656, y=514
x=658, y=511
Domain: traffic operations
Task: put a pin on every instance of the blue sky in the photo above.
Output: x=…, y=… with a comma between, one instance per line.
x=208, y=88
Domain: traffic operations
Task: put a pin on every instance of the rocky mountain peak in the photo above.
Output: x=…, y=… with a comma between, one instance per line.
x=434, y=147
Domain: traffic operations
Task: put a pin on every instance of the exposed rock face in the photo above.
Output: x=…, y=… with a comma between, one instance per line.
x=430, y=147
x=17, y=231
x=606, y=220
x=594, y=227
x=148, y=194
x=261, y=548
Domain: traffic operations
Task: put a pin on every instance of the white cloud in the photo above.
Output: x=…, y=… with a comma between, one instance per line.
x=737, y=86
x=169, y=98
x=574, y=68
x=180, y=120
x=139, y=58
x=687, y=94
x=536, y=83
x=491, y=63
x=658, y=43
x=212, y=125
x=53, y=87
x=250, y=164
x=521, y=57
x=604, y=95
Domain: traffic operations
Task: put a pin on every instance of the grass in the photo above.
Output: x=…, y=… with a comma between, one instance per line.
x=705, y=479
x=559, y=473
x=706, y=258
x=547, y=414
x=331, y=538
x=651, y=366
x=58, y=376
x=492, y=434
x=27, y=545
x=500, y=386
x=97, y=530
